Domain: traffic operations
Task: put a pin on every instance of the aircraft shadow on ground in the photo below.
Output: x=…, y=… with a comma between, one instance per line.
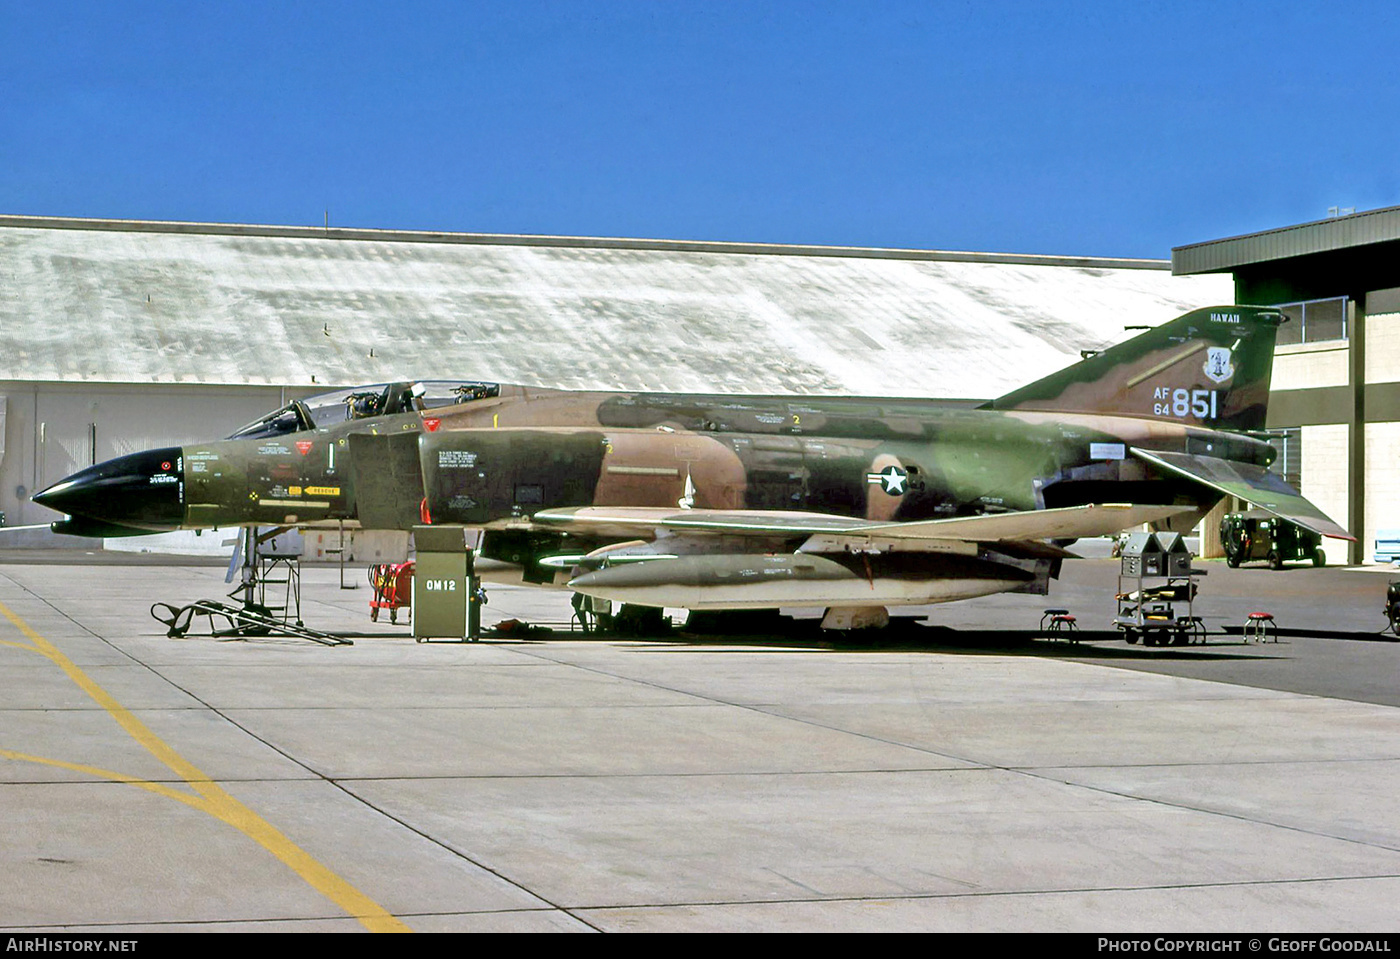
x=899, y=636
x=904, y=638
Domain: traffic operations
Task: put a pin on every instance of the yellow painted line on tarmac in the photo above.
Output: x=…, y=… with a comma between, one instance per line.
x=160, y=789
x=210, y=798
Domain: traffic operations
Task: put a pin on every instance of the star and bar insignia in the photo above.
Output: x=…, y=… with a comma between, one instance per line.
x=891, y=480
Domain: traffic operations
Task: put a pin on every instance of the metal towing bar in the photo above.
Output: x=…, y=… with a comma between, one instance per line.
x=243, y=621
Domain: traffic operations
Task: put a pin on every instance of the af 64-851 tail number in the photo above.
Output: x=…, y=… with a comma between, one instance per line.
x=1181, y=403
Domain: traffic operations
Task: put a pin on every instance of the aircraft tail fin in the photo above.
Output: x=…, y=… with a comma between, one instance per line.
x=1209, y=367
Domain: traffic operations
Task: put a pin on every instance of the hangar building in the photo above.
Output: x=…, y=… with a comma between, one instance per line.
x=123, y=335
x=1336, y=383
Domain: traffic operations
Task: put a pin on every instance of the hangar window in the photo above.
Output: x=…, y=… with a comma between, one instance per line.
x=1313, y=321
x=1289, y=465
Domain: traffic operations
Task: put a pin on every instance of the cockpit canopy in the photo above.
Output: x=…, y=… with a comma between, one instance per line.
x=364, y=402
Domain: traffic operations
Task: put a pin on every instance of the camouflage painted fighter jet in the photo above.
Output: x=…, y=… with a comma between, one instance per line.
x=740, y=502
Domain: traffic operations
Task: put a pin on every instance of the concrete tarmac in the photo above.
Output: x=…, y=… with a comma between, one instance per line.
x=961, y=778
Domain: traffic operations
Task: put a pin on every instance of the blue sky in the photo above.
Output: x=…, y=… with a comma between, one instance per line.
x=1073, y=128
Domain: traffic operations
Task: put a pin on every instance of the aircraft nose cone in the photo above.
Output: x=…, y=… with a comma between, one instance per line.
x=142, y=490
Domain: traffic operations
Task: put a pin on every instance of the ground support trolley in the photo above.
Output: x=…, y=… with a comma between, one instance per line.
x=392, y=586
x=1157, y=591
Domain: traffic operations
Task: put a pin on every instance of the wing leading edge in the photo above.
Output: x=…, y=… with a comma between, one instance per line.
x=828, y=532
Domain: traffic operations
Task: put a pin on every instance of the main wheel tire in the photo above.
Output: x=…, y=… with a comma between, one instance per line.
x=1232, y=560
x=633, y=620
x=1319, y=557
x=1275, y=560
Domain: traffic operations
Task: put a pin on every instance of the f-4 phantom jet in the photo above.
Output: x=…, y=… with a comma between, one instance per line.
x=721, y=502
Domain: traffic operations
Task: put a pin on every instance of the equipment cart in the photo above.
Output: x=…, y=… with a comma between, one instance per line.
x=392, y=584
x=1157, y=591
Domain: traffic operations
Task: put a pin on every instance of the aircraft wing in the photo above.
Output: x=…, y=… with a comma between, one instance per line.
x=1251, y=483
x=1070, y=522
x=827, y=532
x=631, y=520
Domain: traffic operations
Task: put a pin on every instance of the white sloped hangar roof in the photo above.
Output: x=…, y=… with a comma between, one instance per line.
x=136, y=301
